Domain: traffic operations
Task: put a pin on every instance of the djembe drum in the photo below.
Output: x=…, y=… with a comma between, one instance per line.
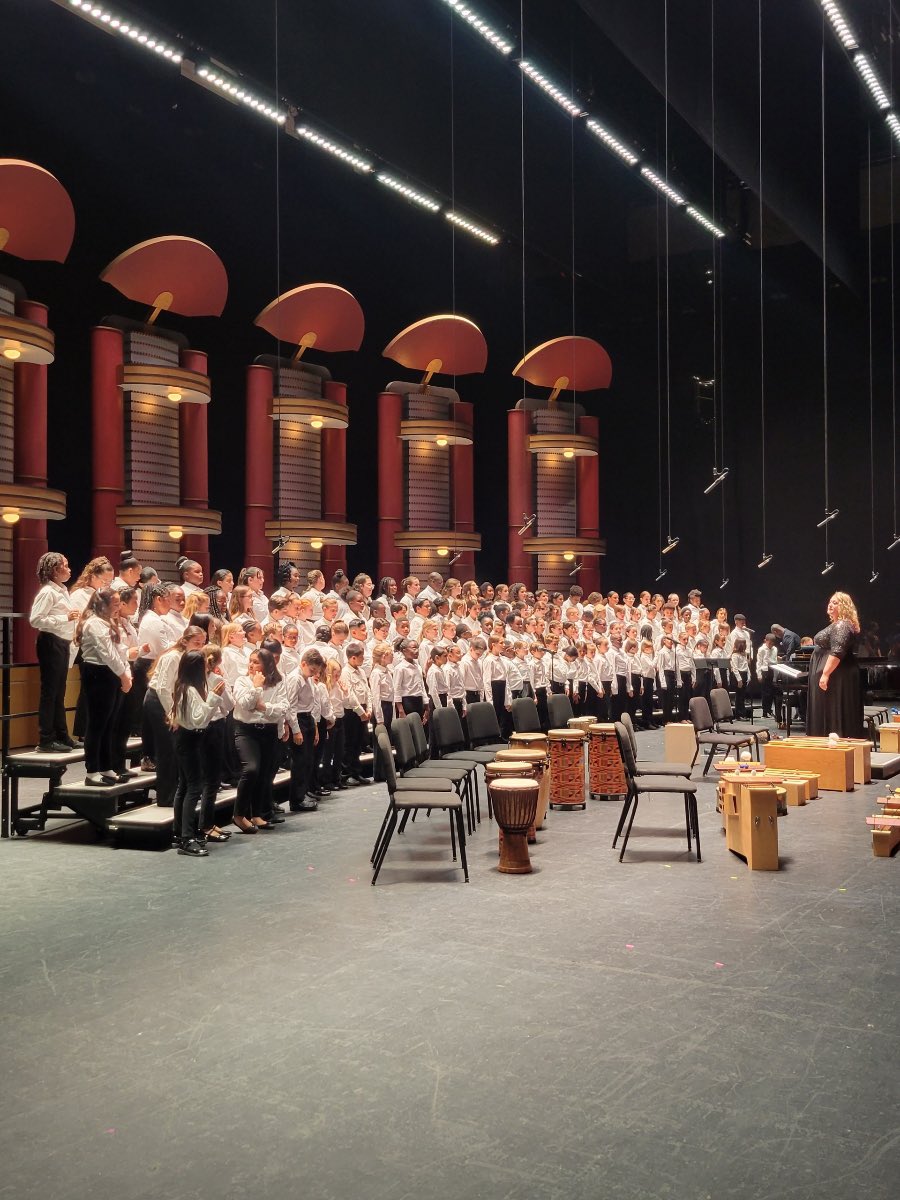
x=606, y=774
x=528, y=741
x=567, y=768
x=511, y=768
x=581, y=723
x=515, y=805
x=538, y=760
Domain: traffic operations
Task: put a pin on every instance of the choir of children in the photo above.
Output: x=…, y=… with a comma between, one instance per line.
x=229, y=684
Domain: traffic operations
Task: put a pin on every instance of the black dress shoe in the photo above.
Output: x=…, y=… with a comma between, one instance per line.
x=276, y=819
x=193, y=848
x=340, y=787
x=323, y=793
x=306, y=806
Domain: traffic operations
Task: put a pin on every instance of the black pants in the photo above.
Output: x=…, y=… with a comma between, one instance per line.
x=473, y=697
x=212, y=759
x=634, y=700
x=669, y=696
x=353, y=732
x=333, y=758
x=413, y=704
x=103, y=697
x=303, y=760
x=134, y=701
x=620, y=700
x=79, y=723
x=767, y=688
x=740, y=694
x=604, y=702
x=188, y=753
x=543, y=714
x=498, y=697
x=684, y=695
x=647, y=687
x=257, y=747
x=164, y=750
x=590, y=703
x=53, y=660
x=387, y=713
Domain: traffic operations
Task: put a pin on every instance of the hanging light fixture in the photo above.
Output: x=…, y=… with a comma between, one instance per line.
x=829, y=566
x=719, y=476
x=176, y=533
x=671, y=543
x=765, y=560
x=830, y=515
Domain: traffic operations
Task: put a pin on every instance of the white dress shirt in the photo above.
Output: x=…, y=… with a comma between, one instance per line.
x=98, y=647
x=155, y=632
x=50, y=612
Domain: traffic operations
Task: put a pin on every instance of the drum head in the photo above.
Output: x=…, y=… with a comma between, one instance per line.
x=566, y=735
x=515, y=785
x=513, y=769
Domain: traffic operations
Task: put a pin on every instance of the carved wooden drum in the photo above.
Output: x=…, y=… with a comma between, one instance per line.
x=606, y=773
x=528, y=741
x=515, y=805
x=537, y=759
x=567, y=768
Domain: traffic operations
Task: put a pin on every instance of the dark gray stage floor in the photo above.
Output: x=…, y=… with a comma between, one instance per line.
x=265, y=1024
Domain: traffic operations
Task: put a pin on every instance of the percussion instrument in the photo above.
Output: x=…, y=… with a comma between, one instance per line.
x=606, y=772
x=537, y=761
x=751, y=823
x=528, y=741
x=515, y=805
x=511, y=768
x=833, y=763
x=581, y=723
x=567, y=768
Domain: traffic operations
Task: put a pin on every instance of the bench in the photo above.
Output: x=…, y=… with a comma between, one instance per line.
x=39, y=764
x=153, y=817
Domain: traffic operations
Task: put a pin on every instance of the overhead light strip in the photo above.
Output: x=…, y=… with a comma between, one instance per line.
x=871, y=80
x=324, y=143
x=612, y=142
x=476, y=231
x=566, y=103
x=661, y=186
x=839, y=25
x=497, y=40
x=409, y=193
x=105, y=18
x=893, y=123
x=707, y=224
x=230, y=86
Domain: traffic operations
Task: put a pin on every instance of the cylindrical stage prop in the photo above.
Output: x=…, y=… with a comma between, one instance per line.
x=108, y=440
x=520, y=495
x=566, y=768
x=587, y=485
x=193, y=452
x=258, y=474
x=515, y=805
x=334, y=480
x=538, y=762
x=462, y=495
x=391, y=480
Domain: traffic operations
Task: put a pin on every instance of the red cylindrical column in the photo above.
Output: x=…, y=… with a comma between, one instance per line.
x=588, y=504
x=334, y=479
x=258, y=471
x=107, y=440
x=520, y=495
x=30, y=468
x=391, y=501
x=462, y=495
x=193, y=454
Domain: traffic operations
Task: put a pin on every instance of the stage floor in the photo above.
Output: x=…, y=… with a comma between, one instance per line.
x=264, y=1024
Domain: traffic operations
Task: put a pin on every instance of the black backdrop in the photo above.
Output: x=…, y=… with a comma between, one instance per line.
x=144, y=153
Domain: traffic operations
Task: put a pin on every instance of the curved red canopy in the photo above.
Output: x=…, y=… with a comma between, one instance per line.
x=315, y=314
x=580, y=361
x=456, y=343
x=177, y=274
x=37, y=219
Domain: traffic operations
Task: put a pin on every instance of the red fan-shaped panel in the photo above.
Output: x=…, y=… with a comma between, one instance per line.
x=457, y=343
x=187, y=271
x=37, y=219
x=329, y=312
x=580, y=360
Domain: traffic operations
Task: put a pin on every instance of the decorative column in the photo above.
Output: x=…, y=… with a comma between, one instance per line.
x=588, y=503
x=391, y=503
x=107, y=440
x=258, y=470
x=30, y=470
x=193, y=452
x=334, y=480
x=462, y=489
x=520, y=495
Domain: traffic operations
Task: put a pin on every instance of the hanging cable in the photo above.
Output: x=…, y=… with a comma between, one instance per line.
x=277, y=135
x=720, y=471
x=875, y=571
x=659, y=391
x=766, y=557
x=895, y=533
x=671, y=542
x=830, y=513
x=577, y=564
x=522, y=162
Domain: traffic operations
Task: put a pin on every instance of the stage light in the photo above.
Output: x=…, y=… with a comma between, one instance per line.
x=830, y=514
x=765, y=560
x=612, y=142
x=176, y=533
x=472, y=18
x=441, y=441
x=316, y=422
x=568, y=453
x=315, y=544
x=578, y=566
x=662, y=186
x=565, y=102
x=895, y=543
x=828, y=567
x=569, y=556
x=723, y=584
x=228, y=86
x=528, y=521
x=456, y=557
x=718, y=477
x=707, y=224
x=174, y=396
x=409, y=193
x=874, y=576
x=107, y=19
x=475, y=230
x=663, y=573
x=871, y=80
x=12, y=353
x=839, y=25
x=893, y=122
x=324, y=143
x=670, y=545
x=443, y=551
x=11, y=516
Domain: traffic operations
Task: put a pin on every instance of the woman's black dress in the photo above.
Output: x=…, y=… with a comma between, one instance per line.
x=839, y=710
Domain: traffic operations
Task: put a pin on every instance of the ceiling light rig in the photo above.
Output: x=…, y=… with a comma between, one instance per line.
x=839, y=25
x=614, y=144
x=106, y=19
x=476, y=231
x=324, y=143
x=661, y=186
x=871, y=80
x=893, y=123
x=719, y=476
x=230, y=86
x=710, y=226
x=497, y=40
x=408, y=193
x=566, y=103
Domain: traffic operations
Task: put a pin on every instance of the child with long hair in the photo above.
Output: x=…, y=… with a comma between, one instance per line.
x=193, y=705
x=260, y=707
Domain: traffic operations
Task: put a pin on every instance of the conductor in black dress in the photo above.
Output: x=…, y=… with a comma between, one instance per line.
x=834, y=702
